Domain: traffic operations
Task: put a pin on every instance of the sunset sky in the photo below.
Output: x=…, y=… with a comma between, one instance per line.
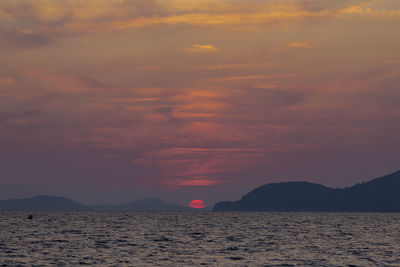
x=108, y=101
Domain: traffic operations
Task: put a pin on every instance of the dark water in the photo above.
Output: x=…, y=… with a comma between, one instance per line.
x=184, y=239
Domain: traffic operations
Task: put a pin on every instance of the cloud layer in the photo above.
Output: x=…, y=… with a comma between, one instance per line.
x=161, y=96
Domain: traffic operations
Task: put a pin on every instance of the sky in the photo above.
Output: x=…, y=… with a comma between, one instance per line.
x=108, y=101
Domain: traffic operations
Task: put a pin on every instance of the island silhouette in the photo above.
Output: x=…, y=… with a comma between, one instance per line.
x=49, y=203
x=143, y=204
x=42, y=203
x=377, y=195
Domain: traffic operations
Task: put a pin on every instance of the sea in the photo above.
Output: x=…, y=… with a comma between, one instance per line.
x=199, y=239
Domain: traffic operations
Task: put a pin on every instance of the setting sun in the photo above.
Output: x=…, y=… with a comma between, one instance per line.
x=197, y=204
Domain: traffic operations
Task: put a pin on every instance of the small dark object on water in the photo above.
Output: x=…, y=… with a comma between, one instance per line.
x=30, y=217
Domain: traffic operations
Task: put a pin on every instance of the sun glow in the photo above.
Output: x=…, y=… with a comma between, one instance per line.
x=197, y=204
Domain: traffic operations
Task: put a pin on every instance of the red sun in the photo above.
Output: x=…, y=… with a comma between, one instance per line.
x=197, y=204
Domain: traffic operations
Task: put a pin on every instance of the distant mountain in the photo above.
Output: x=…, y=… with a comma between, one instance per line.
x=378, y=195
x=41, y=203
x=64, y=204
x=144, y=204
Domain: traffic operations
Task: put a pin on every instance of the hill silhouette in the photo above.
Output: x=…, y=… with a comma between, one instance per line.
x=378, y=195
x=48, y=203
x=42, y=203
x=144, y=204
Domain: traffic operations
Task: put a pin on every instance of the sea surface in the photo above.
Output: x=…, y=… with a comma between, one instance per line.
x=209, y=238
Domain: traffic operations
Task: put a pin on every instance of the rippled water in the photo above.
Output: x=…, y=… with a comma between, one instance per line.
x=183, y=239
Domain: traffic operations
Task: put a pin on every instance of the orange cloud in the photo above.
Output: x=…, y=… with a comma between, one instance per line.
x=191, y=19
x=368, y=11
x=198, y=48
x=72, y=17
x=238, y=66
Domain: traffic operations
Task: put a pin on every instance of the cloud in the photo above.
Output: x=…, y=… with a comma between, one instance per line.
x=368, y=11
x=198, y=48
x=5, y=82
x=391, y=60
x=55, y=13
x=299, y=45
x=14, y=116
x=12, y=38
x=196, y=166
x=100, y=73
x=239, y=78
x=176, y=183
x=59, y=18
x=239, y=66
